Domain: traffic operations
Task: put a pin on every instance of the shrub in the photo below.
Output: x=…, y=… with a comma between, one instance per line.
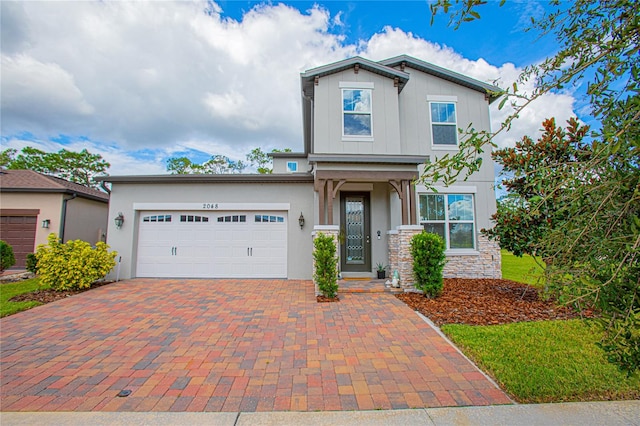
x=326, y=272
x=7, y=259
x=32, y=263
x=74, y=265
x=428, y=262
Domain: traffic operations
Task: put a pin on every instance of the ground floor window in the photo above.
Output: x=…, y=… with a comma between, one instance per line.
x=451, y=216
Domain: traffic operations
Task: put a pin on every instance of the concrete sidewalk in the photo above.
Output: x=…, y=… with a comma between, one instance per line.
x=573, y=413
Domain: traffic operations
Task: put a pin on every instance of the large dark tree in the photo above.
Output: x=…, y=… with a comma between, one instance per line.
x=592, y=244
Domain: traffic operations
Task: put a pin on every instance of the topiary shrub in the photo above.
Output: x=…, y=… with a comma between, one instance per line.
x=31, y=264
x=428, y=262
x=326, y=272
x=74, y=265
x=7, y=259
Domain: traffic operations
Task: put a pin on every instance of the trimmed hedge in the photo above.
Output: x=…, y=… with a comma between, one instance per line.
x=428, y=262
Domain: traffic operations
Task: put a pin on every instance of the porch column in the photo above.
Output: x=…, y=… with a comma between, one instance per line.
x=403, y=259
x=405, y=199
x=321, y=196
x=413, y=217
x=329, y=201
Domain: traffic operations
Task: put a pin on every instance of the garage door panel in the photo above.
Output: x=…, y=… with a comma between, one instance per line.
x=224, y=245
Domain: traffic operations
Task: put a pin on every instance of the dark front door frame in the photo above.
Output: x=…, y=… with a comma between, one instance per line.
x=357, y=265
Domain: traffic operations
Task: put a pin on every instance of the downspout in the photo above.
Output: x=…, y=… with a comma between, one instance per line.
x=63, y=215
x=103, y=185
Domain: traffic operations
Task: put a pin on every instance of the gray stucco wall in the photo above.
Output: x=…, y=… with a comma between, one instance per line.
x=298, y=195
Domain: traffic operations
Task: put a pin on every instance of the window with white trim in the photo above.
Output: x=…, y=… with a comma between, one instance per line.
x=356, y=113
x=444, y=128
x=451, y=216
x=292, y=166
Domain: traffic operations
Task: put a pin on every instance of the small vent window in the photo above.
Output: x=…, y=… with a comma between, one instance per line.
x=157, y=218
x=269, y=219
x=233, y=218
x=193, y=218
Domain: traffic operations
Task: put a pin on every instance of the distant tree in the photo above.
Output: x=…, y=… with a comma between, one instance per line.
x=79, y=167
x=217, y=164
x=262, y=161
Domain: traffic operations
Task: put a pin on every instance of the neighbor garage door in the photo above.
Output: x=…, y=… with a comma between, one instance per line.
x=19, y=230
x=212, y=245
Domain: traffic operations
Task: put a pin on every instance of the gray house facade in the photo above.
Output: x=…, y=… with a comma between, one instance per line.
x=369, y=128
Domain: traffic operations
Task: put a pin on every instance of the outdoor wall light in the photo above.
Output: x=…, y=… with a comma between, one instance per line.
x=301, y=221
x=119, y=220
x=46, y=223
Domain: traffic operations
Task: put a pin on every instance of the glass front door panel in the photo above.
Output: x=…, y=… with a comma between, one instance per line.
x=355, y=230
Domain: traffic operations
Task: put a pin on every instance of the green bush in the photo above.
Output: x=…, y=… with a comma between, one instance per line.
x=7, y=259
x=32, y=263
x=428, y=262
x=74, y=265
x=326, y=272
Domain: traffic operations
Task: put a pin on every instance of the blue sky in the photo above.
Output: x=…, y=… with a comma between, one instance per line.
x=142, y=82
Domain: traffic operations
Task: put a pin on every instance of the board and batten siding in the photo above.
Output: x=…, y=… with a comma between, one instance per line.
x=328, y=115
x=415, y=119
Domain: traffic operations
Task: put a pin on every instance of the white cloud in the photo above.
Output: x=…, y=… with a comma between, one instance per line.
x=171, y=77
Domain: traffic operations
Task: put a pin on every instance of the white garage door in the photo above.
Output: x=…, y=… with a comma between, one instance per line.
x=212, y=245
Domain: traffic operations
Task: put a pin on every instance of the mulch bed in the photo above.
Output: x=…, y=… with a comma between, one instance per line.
x=324, y=299
x=488, y=302
x=48, y=296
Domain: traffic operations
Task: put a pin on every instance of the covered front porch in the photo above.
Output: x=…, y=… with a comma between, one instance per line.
x=367, y=205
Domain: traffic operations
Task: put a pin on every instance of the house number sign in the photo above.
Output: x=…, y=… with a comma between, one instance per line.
x=209, y=206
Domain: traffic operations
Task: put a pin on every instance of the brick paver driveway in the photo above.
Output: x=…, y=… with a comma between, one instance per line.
x=230, y=345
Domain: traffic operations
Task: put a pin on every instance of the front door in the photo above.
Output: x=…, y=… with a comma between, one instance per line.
x=355, y=247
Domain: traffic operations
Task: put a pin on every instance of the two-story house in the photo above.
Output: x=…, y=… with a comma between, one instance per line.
x=369, y=127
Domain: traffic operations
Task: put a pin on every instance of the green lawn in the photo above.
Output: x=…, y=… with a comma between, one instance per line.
x=7, y=291
x=547, y=361
x=521, y=269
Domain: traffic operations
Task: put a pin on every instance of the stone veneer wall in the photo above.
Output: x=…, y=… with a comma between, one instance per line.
x=400, y=258
x=486, y=264
x=332, y=230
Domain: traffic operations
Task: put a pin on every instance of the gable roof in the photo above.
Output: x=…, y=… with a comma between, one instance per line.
x=429, y=68
x=308, y=77
x=30, y=181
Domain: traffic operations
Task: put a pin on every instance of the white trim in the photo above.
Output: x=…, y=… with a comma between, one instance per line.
x=442, y=98
x=461, y=252
x=211, y=205
x=355, y=85
x=357, y=138
x=467, y=189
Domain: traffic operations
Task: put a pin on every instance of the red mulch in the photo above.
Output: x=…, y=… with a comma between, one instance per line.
x=48, y=296
x=488, y=302
x=324, y=299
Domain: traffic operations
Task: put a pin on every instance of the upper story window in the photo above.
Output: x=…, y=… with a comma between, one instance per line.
x=451, y=216
x=357, y=120
x=444, y=128
x=292, y=166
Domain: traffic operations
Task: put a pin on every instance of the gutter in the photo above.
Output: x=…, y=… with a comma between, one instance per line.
x=63, y=215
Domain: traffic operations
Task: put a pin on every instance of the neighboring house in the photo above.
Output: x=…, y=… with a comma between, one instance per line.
x=33, y=205
x=369, y=127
